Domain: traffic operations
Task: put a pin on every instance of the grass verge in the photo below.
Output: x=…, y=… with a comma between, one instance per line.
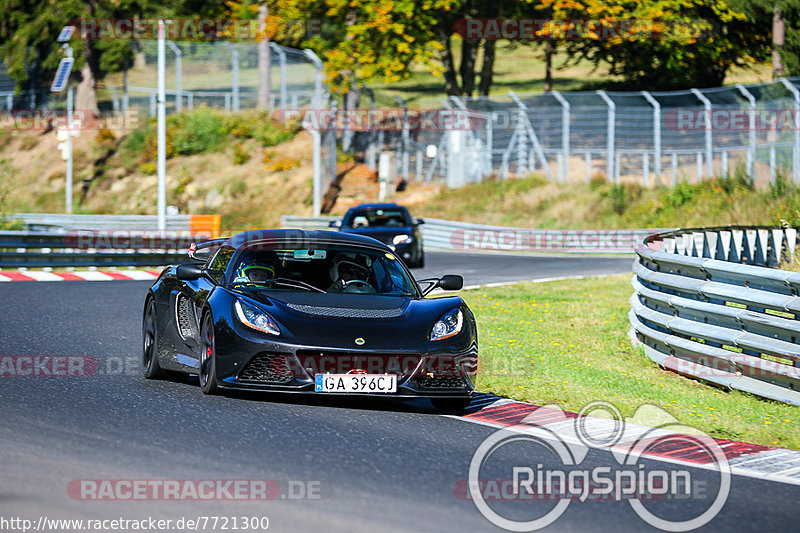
x=566, y=343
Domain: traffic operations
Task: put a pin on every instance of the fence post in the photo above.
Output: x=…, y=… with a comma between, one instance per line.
x=796, y=149
x=152, y=104
x=656, y=133
x=282, y=64
x=490, y=143
x=772, y=163
x=527, y=128
x=674, y=162
x=317, y=99
x=125, y=99
x=9, y=101
x=611, y=130
x=725, y=163
x=565, y=112
x=371, y=155
x=646, y=168
x=178, y=73
x=404, y=140
x=588, y=158
x=709, y=134
x=699, y=166
x=235, y=82
x=114, y=99
x=751, y=148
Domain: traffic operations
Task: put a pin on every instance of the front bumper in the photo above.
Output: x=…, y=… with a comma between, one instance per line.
x=246, y=364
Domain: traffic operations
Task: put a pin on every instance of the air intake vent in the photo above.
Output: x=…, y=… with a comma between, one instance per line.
x=347, y=312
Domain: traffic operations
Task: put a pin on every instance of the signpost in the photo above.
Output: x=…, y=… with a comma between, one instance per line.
x=60, y=81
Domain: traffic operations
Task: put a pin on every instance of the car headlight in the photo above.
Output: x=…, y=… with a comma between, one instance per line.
x=252, y=317
x=402, y=239
x=447, y=326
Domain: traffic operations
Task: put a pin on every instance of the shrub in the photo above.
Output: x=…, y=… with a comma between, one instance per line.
x=241, y=155
x=196, y=132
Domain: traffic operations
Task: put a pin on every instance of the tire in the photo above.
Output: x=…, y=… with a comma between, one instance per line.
x=451, y=405
x=152, y=369
x=208, y=359
x=421, y=260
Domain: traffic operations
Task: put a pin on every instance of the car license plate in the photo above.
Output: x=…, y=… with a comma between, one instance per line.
x=356, y=383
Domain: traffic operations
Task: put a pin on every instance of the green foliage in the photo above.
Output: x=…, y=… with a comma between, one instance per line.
x=780, y=186
x=241, y=154
x=681, y=194
x=196, y=131
x=200, y=131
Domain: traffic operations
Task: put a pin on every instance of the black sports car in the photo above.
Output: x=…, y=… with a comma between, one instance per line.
x=313, y=312
x=391, y=224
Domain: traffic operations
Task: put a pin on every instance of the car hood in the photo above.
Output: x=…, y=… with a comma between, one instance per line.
x=337, y=320
x=383, y=234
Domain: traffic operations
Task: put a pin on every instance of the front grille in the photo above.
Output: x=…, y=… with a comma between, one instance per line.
x=267, y=368
x=441, y=382
x=347, y=312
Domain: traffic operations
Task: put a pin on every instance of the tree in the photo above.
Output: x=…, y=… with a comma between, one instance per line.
x=681, y=44
x=28, y=30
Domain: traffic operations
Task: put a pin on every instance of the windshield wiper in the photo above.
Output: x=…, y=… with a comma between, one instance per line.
x=296, y=284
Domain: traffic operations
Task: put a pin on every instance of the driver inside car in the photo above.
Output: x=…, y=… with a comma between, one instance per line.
x=254, y=272
x=350, y=275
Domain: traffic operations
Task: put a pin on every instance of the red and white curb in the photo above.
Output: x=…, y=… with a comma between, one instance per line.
x=83, y=275
x=751, y=460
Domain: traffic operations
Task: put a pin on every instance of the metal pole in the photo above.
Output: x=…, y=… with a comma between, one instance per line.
x=709, y=138
x=317, y=185
x=404, y=138
x=235, y=67
x=282, y=63
x=565, y=110
x=69, y=151
x=588, y=157
x=125, y=99
x=751, y=149
x=656, y=133
x=317, y=79
x=162, y=132
x=178, y=73
x=610, y=132
x=796, y=150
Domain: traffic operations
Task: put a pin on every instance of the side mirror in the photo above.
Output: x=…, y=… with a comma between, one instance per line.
x=450, y=282
x=189, y=272
x=335, y=224
x=420, y=221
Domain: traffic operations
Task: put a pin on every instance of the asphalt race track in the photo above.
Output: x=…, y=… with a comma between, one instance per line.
x=376, y=466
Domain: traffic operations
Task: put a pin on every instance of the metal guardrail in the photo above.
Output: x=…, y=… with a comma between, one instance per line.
x=57, y=223
x=463, y=236
x=99, y=248
x=708, y=305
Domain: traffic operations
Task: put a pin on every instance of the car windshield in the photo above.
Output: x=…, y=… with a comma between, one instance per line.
x=375, y=217
x=323, y=268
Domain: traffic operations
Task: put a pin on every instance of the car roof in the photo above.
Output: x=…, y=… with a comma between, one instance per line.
x=298, y=236
x=377, y=206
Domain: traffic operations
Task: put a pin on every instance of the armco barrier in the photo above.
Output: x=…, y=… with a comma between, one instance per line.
x=449, y=235
x=100, y=248
x=57, y=223
x=709, y=304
